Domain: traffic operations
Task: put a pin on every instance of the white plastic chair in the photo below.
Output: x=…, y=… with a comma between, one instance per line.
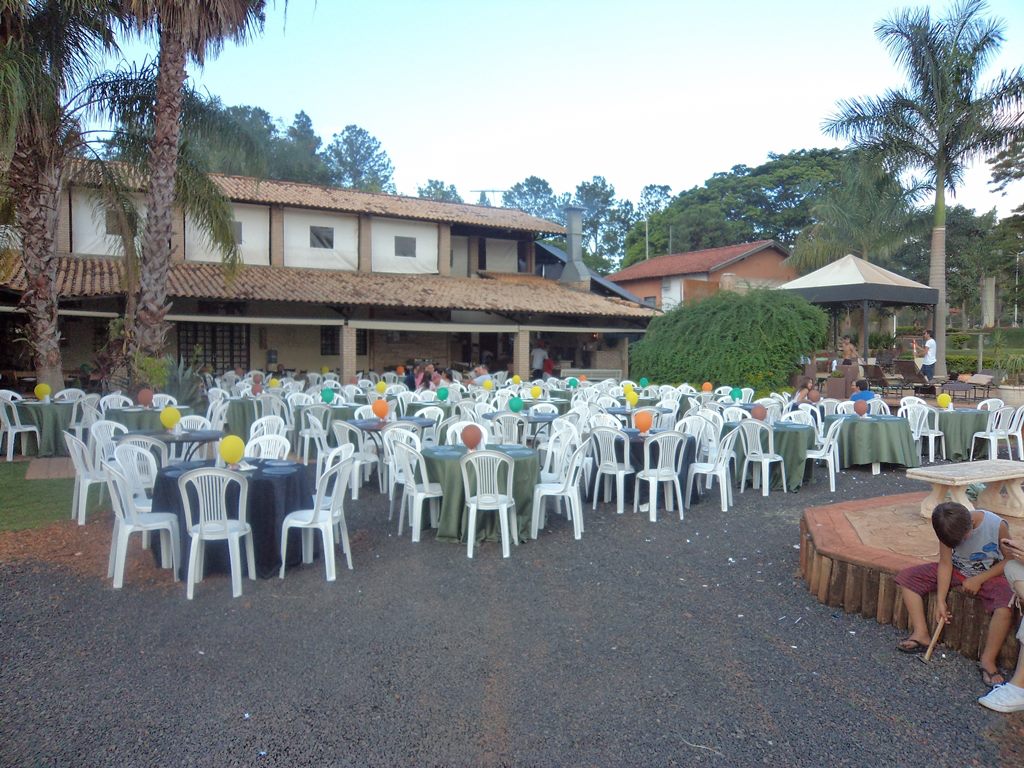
x=162, y=401
x=268, y=447
x=209, y=521
x=454, y=434
x=157, y=448
x=10, y=421
x=665, y=469
x=510, y=428
x=829, y=452
x=430, y=434
x=735, y=413
x=487, y=491
x=114, y=400
x=878, y=407
x=268, y=425
x=719, y=468
x=128, y=520
x=86, y=476
x=846, y=407
x=799, y=417
x=392, y=434
x=69, y=395
x=751, y=432
x=998, y=428
x=327, y=516
x=85, y=415
x=101, y=440
x=991, y=404
x=139, y=467
x=610, y=444
x=566, y=487
x=416, y=489
x=365, y=457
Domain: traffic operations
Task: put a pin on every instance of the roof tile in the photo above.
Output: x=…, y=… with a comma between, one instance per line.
x=692, y=262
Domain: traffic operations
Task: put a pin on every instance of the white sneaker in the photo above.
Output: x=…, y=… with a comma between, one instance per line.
x=1004, y=698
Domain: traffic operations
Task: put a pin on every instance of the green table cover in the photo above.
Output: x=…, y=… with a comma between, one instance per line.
x=443, y=467
x=241, y=414
x=51, y=419
x=870, y=439
x=338, y=413
x=139, y=419
x=791, y=441
x=414, y=408
x=959, y=427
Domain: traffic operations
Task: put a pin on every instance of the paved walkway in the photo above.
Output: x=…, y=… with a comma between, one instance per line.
x=50, y=469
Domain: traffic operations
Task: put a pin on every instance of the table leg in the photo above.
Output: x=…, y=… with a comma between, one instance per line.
x=876, y=468
x=1011, y=505
x=938, y=495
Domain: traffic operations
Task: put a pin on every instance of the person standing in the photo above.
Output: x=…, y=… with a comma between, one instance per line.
x=930, y=349
x=537, y=357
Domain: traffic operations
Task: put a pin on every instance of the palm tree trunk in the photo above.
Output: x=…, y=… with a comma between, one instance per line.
x=937, y=274
x=151, y=331
x=36, y=187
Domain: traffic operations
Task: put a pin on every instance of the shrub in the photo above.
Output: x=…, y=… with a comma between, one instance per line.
x=957, y=364
x=754, y=339
x=957, y=341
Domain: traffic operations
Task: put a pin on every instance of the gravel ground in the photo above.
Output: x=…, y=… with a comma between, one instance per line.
x=670, y=643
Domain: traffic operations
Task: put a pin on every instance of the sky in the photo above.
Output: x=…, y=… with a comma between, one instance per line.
x=482, y=94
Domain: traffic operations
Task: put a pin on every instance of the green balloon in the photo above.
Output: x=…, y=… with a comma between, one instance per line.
x=644, y=381
x=515, y=404
x=327, y=395
x=442, y=393
x=736, y=394
x=573, y=382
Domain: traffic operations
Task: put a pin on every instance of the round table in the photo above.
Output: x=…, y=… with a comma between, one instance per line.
x=443, y=467
x=192, y=438
x=275, y=489
x=791, y=442
x=447, y=407
x=875, y=440
x=52, y=419
x=240, y=416
x=959, y=426
x=138, y=418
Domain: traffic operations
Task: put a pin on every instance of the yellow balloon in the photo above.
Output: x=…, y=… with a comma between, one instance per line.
x=535, y=392
x=232, y=449
x=274, y=383
x=42, y=391
x=169, y=417
x=488, y=384
x=324, y=369
x=516, y=379
x=632, y=397
x=944, y=400
x=381, y=386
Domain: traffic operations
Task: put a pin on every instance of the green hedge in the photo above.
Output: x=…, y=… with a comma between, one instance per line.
x=957, y=364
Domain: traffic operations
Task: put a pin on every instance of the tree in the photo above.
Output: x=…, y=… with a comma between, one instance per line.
x=438, y=190
x=191, y=29
x=356, y=160
x=654, y=198
x=482, y=200
x=296, y=156
x=868, y=214
x=533, y=195
x=46, y=60
x=772, y=201
x=943, y=118
x=605, y=223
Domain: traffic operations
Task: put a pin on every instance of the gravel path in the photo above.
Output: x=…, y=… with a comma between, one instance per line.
x=643, y=644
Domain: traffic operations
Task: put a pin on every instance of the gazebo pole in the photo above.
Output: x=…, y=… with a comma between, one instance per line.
x=864, y=337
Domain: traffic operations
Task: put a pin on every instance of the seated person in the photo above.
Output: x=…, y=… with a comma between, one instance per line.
x=803, y=392
x=970, y=558
x=1010, y=697
x=481, y=374
x=863, y=392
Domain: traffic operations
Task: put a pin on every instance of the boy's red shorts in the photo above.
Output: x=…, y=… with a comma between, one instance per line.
x=924, y=578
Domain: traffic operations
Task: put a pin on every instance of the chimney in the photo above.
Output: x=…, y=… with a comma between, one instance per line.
x=575, y=275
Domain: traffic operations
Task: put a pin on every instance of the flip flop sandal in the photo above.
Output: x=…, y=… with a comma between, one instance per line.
x=912, y=649
x=987, y=677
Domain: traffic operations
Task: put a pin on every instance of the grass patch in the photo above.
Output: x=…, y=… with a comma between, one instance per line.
x=34, y=503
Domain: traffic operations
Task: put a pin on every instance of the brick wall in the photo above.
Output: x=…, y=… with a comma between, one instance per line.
x=387, y=352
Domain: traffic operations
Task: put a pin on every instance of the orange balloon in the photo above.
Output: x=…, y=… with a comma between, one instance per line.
x=583, y=377
x=707, y=386
x=759, y=412
x=643, y=421
x=145, y=398
x=814, y=395
x=380, y=408
x=400, y=370
x=471, y=436
x=860, y=407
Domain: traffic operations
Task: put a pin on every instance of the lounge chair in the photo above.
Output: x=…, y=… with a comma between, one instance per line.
x=876, y=377
x=913, y=378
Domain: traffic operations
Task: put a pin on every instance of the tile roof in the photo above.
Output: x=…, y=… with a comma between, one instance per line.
x=80, y=277
x=247, y=189
x=693, y=262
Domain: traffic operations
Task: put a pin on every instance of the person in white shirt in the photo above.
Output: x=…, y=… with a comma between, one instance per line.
x=537, y=357
x=928, y=364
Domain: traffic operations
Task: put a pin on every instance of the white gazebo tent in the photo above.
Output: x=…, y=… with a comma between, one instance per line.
x=851, y=282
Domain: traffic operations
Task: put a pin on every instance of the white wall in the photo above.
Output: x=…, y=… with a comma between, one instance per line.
x=671, y=292
x=502, y=255
x=88, y=225
x=383, y=246
x=460, y=256
x=254, y=247
x=297, y=253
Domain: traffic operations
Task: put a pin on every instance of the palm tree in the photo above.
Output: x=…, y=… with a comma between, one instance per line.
x=944, y=118
x=48, y=52
x=868, y=213
x=193, y=30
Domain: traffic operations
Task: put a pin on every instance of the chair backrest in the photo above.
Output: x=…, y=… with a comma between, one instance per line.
x=735, y=413
x=990, y=404
x=466, y=409
x=364, y=412
x=917, y=415
x=716, y=418
x=412, y=469
x=268, y=447
x=268, y=425
x=138, y=466
x=830, y=443
x=122, y=498
x=454, y=434
x=329, y=500
x=726, y=448
x=115, y=400
x=752, y=432
x=670, y=446
x=799, y=417
x=486, y=475
x=911, y=400
x=878, y=406
x=296, y=399
x=194, y=422
x=217, y=414
x=1001, y=419
x=397, y=434
x=537, y=408
x=611, y=444
x=348, y=433
x=157, y=448
x=510, y=428
x=273, y=405
x=216, y=394
x=101, y=439
x=205, y=494
x=10, y=395
x=81, y=457
x=9, y=416
x=829, y=404
x=814, y=412
x=335, y=455
x=846, y=407
x=162, y=400
x=747, y=394
x=70, y=394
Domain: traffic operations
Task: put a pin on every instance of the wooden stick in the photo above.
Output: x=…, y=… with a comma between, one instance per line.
x=935, y=641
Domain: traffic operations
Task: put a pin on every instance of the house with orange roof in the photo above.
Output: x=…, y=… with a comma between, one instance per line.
x=669, y=280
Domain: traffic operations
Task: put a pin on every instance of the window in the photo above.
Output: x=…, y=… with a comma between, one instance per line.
x=330, y=340
x=111, y=225
x=236, y=227
x=650, y=301
x=405, y=246
x=222, y=346
x=321, y=237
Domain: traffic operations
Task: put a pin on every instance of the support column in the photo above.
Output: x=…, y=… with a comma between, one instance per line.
x=64, y=221
x=277, y=236
x=624, y=356
x=365, y=246
x=472, y=255
x=444, y=249
x=521, y=355
x=348, y=353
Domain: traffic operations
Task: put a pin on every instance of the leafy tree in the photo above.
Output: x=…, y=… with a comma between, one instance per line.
x=1008, y=166
x=605, y=223
x=356, y=160
x=438, y=190
x=296, y=155
x=533, y=195
x=944, y=117
x=185, y=30
x=868, y=214
x=654, y=198
x=771, y=201
x=482, y=200
x=715, y=340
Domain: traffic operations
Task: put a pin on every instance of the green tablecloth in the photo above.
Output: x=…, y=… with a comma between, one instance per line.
x=959, y=426
x=870, y=439
x=338, y=413
x=141, y=419
x=562, y=405
x=241, y=414
x=791, y=442
x=414, y=408
x=51, y=419
x=443, y=467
